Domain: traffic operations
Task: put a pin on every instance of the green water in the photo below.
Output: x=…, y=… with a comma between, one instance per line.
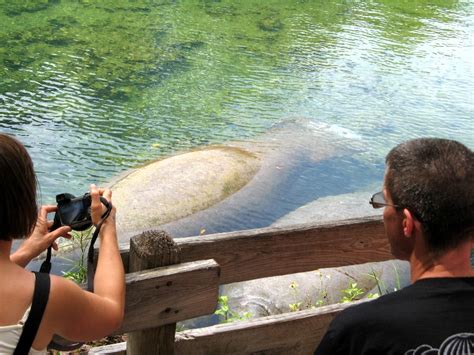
x=94, y=88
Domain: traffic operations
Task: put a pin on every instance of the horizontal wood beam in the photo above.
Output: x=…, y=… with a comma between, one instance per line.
x=268, y=252
x=289, y=333
x=251, y=254
x=170, y=294
x=111, y=349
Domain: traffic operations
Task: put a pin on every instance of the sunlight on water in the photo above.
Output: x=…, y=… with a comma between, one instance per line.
x=96, y=88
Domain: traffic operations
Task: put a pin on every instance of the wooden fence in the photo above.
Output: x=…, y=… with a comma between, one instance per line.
x=165, y=295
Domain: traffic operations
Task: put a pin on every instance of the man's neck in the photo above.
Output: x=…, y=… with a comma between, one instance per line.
x=453, y=263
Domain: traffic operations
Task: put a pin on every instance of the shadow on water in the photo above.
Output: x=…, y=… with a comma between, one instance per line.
x=307, y=181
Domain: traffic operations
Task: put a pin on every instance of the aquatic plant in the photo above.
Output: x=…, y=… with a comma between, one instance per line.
x=227, y=314
x=381, y=286
x=296, y=306
x=351, y=293
x=80, y=242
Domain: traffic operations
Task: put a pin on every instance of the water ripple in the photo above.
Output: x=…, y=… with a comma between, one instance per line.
x=146, y=84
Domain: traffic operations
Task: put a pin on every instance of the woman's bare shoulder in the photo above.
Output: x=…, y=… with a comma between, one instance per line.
x=77, y=314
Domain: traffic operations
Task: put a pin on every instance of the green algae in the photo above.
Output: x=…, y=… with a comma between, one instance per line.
x=121, y=49
x=145, y=79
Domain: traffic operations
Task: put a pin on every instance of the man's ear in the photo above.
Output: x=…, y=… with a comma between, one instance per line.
x=408, y=223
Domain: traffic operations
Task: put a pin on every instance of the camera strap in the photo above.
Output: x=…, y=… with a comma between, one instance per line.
x=90, y=252
x=46, y=265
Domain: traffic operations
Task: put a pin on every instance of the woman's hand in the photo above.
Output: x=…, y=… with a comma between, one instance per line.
x=98, y=209
x=40, y=239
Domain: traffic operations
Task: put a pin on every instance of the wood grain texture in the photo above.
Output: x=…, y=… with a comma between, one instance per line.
x=169, y=294
x=111, y=349
x=149, y=250
x=265, y=252
x=295, y=333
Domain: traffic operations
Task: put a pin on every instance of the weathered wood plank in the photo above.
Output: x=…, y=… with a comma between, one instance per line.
x=264, y=252
x=111, y=349
x=288, y=333
x=150, y=250
x=267, y=252
x=295, y=333
x=169, y=294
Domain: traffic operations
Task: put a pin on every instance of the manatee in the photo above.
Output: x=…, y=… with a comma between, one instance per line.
x=283, y=152
x=216, y=188
x=274, y=295
x=178, y=186
x=333, y=208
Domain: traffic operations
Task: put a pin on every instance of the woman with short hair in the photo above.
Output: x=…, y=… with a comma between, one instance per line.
x=70, y=311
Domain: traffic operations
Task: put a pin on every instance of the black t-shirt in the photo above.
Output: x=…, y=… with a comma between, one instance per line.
x=432, y=316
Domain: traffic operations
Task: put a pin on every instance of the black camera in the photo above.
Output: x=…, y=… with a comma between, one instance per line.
x=75, y=212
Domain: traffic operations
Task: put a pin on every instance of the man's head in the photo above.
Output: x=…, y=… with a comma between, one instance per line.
x=434, y=180
x=18, y=210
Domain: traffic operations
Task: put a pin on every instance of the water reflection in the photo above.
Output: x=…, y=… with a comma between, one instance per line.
x=95, y=88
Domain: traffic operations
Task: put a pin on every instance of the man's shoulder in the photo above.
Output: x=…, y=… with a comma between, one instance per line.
x=355, y=322
x=374, y=307
x=442, y=305
x=416, y=297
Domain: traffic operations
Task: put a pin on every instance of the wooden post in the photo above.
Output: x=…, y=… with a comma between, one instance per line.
x=149, y=250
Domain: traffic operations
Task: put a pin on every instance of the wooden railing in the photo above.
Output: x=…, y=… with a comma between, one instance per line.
x=166, y=295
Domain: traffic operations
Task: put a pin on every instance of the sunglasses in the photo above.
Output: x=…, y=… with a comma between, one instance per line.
x=378, y=201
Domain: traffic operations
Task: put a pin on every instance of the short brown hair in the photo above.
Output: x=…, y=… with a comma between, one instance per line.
x=434, y=179
x=18, y=209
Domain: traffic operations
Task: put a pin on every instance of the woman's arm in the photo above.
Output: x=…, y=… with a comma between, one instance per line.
x=82, y=315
